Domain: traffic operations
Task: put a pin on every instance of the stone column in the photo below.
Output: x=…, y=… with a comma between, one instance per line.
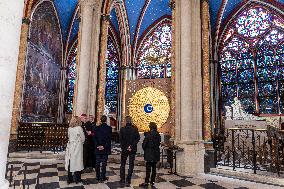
x=205, y=71
x=173, y=71
x=11, y=13
x=84, y=53
x=188, y=77
x=207, y=124
x=93, y=78
x=102, y=68
x=21, y=69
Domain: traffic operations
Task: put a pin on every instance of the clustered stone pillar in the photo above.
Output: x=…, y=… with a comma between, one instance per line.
x=93, y=78
x=207, y=124
x=188, y=76
x=206, y=75
x=102, y=68
x=87, y=52
x=20, y=70
x=11, y=13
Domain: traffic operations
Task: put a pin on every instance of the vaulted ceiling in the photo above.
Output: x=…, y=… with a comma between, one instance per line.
x=140, y=15
x=67, y=15
x=66, y=9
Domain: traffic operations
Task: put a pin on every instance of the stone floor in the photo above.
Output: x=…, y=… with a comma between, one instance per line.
x=47, y=172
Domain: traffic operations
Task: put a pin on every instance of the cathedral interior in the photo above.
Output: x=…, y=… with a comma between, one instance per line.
x=209, y=73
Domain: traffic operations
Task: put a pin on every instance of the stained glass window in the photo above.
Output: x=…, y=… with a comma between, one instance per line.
x=112, y=75
x=251, y=61
x=71, y=78
x=154, y=54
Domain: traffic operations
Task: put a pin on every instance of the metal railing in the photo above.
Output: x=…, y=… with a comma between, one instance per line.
x=256, y=149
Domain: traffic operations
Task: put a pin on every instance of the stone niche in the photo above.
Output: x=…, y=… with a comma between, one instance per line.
x=163, y=85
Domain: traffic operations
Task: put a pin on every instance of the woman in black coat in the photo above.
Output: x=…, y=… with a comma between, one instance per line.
x=151, y=147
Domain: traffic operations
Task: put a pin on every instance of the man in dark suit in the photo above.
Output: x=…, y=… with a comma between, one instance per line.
x=102, y=141
x=129, y=137
x=88, y=149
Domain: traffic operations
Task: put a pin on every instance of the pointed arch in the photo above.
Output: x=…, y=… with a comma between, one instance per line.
x=70, y=42
x=124, y=31
x=250, y=55
x=153, y=58
x=40, y=99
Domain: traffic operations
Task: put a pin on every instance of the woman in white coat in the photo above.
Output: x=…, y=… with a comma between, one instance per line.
x=74, y=151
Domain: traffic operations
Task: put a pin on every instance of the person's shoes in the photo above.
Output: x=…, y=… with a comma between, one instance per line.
x=145, y=184
x=69, y=181
x=122, y=182
x=98, y=179
x=104, y=179
x=128, y=183
x=78, y=181
x=152, y=183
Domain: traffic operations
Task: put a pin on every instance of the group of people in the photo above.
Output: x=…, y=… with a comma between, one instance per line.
x=89, y=146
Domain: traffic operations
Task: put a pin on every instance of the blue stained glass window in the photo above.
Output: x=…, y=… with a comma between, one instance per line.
x=266, y=74
x=281, y=106
x=112, y=75
x=245, y=76
x=169, y=70
x=71, y=77
x=281, y=89
x=268, y=105
x=267, y=89
x=155, y=52
x=254, y=41
x=229, y=91
x=265, y=56
x=71, y=84
x=228, y=77
x=281, y=73
x=228, y=65
x=254, y=22
x=245, y=63
x=249, y=104
x=246, y=90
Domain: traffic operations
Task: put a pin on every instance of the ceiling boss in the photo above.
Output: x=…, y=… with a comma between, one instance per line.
x=149, y=105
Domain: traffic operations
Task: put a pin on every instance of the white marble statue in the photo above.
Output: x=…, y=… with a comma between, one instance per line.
x=238, y=112
x=106, y=110
x=106, y=113
x=229, y=113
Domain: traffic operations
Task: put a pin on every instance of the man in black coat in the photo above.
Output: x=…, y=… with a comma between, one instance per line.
x=129, y=138
x=151, y=147
x=89, y=147
x=102, y=140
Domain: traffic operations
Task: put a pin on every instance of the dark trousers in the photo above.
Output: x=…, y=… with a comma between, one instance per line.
x=101, y=163
x=150, y=166
x=89, y=158
x=73, y=178
x=124, y=156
